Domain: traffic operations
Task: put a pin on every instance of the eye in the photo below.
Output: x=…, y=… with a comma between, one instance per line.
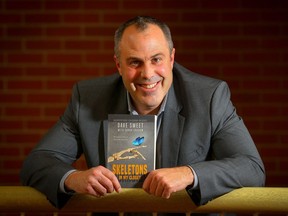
x=156, y=60
x=134, y=63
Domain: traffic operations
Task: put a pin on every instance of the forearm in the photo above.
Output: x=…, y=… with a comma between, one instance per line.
x=219, y=177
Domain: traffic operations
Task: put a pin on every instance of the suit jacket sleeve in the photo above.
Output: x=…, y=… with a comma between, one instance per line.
x=53, y=156
x=235, y=161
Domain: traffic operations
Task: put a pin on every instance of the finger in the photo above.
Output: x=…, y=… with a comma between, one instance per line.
x=99, y=188
x=112, y=182
x=166, y=193
x=115, y=182
x=91, y=191
x=158, y=190
x=147, y=182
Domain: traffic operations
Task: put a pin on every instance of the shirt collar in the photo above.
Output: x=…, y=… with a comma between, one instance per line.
x=132, y=110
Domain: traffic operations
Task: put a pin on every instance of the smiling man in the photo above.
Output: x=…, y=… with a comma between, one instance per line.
x=145, y=64
x=203, y=146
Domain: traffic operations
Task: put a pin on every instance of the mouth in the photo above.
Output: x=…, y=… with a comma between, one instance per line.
x=149, y=86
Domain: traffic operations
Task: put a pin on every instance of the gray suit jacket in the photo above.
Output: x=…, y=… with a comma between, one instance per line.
x=200, y=128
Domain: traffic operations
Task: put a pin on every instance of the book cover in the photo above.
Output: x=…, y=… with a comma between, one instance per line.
x=131, y=147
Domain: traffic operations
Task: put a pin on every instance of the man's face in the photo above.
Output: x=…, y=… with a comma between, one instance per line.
x=145, y=64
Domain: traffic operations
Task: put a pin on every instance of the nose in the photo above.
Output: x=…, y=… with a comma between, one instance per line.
x=147, y=71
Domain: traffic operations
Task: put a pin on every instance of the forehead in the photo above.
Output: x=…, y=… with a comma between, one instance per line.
x=150, y=38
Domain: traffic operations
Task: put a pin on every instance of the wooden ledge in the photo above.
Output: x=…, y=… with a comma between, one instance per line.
x=244, y=200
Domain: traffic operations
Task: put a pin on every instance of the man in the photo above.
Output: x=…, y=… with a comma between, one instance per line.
x=203, y=146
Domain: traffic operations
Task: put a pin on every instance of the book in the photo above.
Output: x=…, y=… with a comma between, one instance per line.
x=131, y=147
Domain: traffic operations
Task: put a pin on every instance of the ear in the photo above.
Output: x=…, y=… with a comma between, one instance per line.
x=172, y=57
x=117, y=63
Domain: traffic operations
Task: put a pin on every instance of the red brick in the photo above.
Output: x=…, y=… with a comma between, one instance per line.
x=260, y=84
x=16, y=32
x=145, y=5
x=46, y=71
x=270, y=164
x=116, y=17
x=10, y=98
x=38, y=124
x=206, y=4
x=277, y=97
x=172, y=4
x=10, y=18
x=11, y=71
x=53, y=111
x=79, y=71
x=188, y=31
x=64, y=58
x=62, y=5
x=100, y=31
x=188, y=57
x=261, y=30
x=9, y=179
x=200, y=44
x=7, y=45
x=95, y=57
x=246, y=98
x=240, y=17
x=81, y=18
x=43, y=44
x=202, y=16
x=245, y=43
x=45, y=98
x=274, y=151
x=23, y=111
x=259, y=4
x=279, y=125
x=60, y=84
x=82, y=45
x=101, y=4
x=275, y=70
x=266, y=138
x=220, y=57
x=264, y=57
x=276, y=16
x=23, y=5
x=63, y=31
x=280, y=44
x=24, y=84
x=12, y=164
x=42, y=18
x=221, y=30
x=10, y=151
x=283, y=162
x=25, y=58
x=23, y=138
x=240, y=71
x=10, y=124
x=260, y=110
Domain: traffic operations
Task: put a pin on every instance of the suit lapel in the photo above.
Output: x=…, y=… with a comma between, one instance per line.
x=172, y=129
x=118, y=105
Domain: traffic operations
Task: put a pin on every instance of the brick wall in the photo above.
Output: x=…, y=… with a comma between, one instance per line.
x=47, y=45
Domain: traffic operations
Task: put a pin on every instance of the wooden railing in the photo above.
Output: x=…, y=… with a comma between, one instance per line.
x=244, y=200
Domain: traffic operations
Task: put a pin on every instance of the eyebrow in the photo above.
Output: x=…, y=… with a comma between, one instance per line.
x=139, y=59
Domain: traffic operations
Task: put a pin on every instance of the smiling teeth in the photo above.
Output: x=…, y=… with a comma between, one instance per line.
x=151, y=86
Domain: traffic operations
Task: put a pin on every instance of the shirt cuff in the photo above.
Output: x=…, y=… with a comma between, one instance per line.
x=62, y=185
x=195, y=182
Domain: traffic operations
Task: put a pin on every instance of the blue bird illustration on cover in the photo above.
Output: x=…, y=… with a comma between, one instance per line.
x=138, y=141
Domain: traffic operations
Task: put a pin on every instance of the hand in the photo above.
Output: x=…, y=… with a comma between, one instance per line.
x=163, y=182
x=96, y=181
